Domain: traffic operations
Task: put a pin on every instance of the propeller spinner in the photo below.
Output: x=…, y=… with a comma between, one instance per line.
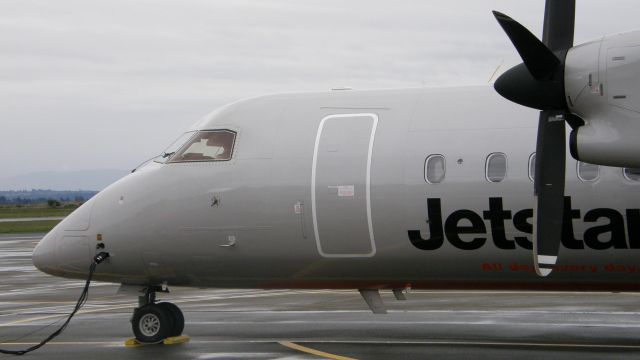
x=539, y=83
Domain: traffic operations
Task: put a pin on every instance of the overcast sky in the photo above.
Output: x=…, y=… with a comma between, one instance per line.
x=107, y=84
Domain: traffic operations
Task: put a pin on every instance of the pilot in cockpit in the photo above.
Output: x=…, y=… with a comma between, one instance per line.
x=207, y=145
x=223, y=142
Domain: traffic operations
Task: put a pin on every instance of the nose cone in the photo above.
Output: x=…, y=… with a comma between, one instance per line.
x=44, y=253
x=65, y=250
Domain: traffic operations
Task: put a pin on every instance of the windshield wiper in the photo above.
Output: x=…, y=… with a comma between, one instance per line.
x=146, y=161
x=166, y=155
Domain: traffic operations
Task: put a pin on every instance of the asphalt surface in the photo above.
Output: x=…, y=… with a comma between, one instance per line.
x=32, y=219
x=282, y=324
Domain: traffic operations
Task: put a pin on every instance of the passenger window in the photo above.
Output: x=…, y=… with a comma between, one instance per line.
x=496, y=167
x=532, y=166
x=208, y=145
x=434, y=169
x=631, y=174
x=588, y=172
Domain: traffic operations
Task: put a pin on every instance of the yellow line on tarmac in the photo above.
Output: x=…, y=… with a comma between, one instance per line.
x=311, y=351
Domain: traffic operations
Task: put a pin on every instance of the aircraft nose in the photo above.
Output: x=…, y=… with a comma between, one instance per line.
x=65, y=250
x=44, y=253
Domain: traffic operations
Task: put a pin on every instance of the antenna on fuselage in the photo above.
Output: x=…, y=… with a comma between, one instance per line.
x=495, y=71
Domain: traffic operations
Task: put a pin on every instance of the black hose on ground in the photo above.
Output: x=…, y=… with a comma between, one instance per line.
x=81, y=301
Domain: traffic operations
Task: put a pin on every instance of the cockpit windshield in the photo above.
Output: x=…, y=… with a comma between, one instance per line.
x=207, y=145
x=171, y=149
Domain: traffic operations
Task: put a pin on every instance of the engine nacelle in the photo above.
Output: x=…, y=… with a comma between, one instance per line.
x=602, y=87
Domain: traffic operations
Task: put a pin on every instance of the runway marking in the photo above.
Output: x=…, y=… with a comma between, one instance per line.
x=108, y=343
x=21, y=237
x=30, y=219
x=486, y=343
x=34, y=302
x=102, y=309
x=413, y=312
x=366, y=322
x=46, y=317
x=311, y=351
x=355, y=342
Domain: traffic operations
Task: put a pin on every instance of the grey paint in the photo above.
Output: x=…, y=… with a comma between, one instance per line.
x=341, y=185
x=159, y=225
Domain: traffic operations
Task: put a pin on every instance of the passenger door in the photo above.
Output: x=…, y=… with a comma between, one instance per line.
x=341, y=185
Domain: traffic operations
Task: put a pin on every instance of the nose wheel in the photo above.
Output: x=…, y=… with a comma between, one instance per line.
x=153, y=322
x=176, y=315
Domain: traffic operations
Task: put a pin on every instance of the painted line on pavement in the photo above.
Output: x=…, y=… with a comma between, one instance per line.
x=360, y=342
x=311, y=351
x=45, y=218
x=131, y=306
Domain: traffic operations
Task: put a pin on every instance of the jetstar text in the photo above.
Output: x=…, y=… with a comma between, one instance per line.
x=608, y=233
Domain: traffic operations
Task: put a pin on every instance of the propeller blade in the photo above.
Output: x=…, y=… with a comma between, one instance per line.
x=549, y=190
x=539, y=83
x=537, y=57
x=559, y=24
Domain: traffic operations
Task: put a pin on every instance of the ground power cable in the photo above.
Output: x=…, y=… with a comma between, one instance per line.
x=81, y=301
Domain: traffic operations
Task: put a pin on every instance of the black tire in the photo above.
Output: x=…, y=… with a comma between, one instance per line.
x=177, y=316
x=151, y=324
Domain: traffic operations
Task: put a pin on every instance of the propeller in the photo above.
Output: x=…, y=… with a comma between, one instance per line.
x=539, y=83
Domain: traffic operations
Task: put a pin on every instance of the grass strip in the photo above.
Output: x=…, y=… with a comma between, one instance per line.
x=16, y=212
x=24, y=227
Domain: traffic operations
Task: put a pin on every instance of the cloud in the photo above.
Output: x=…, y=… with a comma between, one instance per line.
x=108, y=83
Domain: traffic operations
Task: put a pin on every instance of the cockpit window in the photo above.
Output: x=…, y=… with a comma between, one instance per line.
x=207, y=145
x=171, y=149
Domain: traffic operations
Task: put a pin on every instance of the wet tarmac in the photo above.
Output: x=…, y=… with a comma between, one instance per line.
x=283, y=324
x=47, y=218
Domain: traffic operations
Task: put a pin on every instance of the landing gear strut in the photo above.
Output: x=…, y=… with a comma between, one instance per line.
x=153, y=322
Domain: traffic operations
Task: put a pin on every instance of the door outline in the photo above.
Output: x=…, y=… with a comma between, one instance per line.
x=374, y=126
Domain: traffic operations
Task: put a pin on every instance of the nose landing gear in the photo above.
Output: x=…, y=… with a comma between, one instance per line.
x=153, y=322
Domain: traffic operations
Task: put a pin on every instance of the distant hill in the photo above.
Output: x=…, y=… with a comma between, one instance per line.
x=94, y=180
x=41, y=196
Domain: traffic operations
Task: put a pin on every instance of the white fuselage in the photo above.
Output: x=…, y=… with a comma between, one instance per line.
x=331, y=190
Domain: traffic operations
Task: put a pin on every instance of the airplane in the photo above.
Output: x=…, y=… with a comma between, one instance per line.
x=388, y=189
